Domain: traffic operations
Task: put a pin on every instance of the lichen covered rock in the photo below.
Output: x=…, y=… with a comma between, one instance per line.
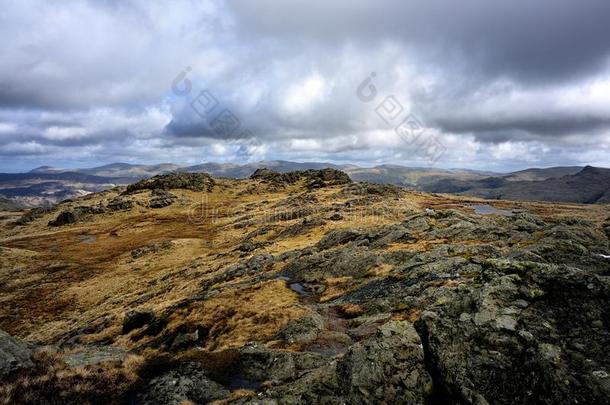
x=14, y=355
x=186, y=181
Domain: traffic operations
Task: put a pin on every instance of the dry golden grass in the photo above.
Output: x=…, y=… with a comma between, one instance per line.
x=410, y=315
x=53, y=382
x=336, y=287
x=349, y=310
x=235, y=317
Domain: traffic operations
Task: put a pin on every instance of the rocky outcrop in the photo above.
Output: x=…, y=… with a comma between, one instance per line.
x=14, y=355
x=186, y=181
x=388, y=368
x=120, y=204
x=313, y=178
x=363, y=189
x=74, y=215
x=188, y=382
x=65, y=218
x=264, y=174
x=546, y=325
x=33, y=214
x=161, y=198
x=302, y=330
x=347, y=262
x=258, y=364
x=252, y=266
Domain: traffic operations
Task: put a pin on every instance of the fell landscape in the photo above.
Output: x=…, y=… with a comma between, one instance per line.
x=295, y=202
x=305, y=288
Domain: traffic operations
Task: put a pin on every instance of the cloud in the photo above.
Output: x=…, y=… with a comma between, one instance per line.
x=501, y=85
x=542, y=40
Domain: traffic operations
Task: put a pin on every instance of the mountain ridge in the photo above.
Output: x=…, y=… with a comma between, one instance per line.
x=48, y=185
x=589, y=185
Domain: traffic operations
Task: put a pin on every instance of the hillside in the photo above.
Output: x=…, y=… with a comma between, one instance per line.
x=589, y=185
x=42, y=188
x=301, y=288
x=536, y=174
x=9, y=205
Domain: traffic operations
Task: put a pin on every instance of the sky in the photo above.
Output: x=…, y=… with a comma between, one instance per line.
x=479, y=84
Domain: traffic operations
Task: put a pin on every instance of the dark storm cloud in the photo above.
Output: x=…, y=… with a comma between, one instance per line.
x=555, y=126
x=535, y=41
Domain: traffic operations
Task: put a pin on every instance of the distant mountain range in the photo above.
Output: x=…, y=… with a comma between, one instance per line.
x=584, y=185
x=49, y=185
x=395, y=174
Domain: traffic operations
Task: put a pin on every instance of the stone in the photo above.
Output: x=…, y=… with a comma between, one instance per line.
x=14, y=355
x=183, y=340
x=506, y=322
x=336, y=217
x=65, y=218
x=338, y=237
x=558, y=317
x=527, y=336
x=302, y=330
x=72, y=216
x=88, y=356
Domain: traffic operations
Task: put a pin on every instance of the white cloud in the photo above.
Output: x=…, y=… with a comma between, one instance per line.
x=302, y=96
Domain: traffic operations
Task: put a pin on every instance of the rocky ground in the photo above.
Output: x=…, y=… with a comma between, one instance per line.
x=303, y=288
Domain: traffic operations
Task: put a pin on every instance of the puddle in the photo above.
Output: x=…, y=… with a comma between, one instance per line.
x=87, y=238
x=294, y=286
x=486, y=209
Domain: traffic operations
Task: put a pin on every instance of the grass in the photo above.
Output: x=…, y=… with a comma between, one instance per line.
x=336, y=287
x=237, y=316
x=53, y=382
